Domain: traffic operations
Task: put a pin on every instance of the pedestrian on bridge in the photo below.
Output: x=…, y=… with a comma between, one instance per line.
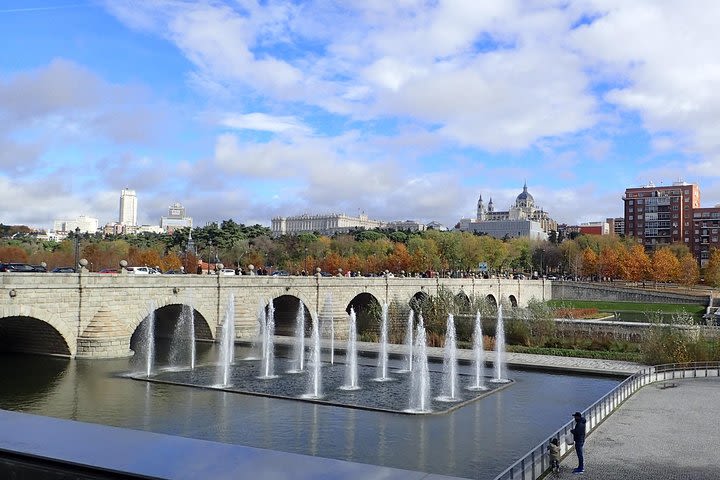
x=578, y=433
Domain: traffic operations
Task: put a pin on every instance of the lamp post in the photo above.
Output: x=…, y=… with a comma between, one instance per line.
x=209, y=255
x=305, y=260
x=77, y=249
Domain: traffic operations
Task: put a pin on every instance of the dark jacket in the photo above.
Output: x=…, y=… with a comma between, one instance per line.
x=578, y=432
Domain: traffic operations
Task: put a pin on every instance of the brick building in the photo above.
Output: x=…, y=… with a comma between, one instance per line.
x=657, y=216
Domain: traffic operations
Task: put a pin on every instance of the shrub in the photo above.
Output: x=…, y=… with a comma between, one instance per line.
x=517, y=332
x=566, y=352
x=665, y=345
x=434, y=339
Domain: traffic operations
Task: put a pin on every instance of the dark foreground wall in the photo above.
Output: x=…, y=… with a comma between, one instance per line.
x=51, y=449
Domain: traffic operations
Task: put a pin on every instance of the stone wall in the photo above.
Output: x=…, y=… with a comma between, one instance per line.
x=616, y=293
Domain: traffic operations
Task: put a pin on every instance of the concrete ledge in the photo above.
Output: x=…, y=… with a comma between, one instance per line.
x=114, y=450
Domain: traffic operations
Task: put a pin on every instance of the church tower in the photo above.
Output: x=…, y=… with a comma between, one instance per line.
x=480, y=210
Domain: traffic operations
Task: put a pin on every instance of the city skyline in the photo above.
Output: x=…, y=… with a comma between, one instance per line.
x=403, y=111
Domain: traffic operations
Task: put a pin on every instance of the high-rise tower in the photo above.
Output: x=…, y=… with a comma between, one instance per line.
x=128, y=207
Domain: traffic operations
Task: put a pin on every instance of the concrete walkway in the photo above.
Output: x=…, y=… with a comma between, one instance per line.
x=668, y=434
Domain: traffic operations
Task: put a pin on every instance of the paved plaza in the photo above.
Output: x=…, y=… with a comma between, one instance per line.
x=658, y=433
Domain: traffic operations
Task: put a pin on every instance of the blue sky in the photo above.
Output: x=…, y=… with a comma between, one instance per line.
x=403, y=110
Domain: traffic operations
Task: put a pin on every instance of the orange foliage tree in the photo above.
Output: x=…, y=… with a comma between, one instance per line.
x=589, y=262
x=712, y=269
x=635, y=264
x=665, y=266
x=609, y=261
x=399, y=259
x=13, y=254
x=689, y=270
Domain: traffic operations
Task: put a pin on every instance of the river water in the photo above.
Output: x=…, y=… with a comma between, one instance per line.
x=478, y=440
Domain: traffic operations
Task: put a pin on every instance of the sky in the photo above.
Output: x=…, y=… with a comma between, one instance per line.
x=405, y=109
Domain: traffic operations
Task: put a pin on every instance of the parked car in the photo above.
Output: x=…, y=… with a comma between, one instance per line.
x=174, y=272
x=280, y=273
x=108, y=270
x=227, y=271
x=17, y=268
x=63, y=270
x=142, y=271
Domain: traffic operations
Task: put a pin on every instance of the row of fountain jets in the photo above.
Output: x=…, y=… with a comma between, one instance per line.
x=416, y=358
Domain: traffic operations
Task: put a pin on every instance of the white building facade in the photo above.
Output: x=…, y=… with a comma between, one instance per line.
x=324, y=224
x=84, y=223
x=175, y=219
x=128, y=207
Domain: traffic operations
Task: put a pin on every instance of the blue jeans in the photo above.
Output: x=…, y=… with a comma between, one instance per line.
x=581, y=457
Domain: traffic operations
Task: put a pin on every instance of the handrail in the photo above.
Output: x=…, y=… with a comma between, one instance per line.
x=536, y=462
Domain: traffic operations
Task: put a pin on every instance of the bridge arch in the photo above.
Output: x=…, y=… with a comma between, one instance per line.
x=286, y=311
x=32, y=330
x=31, y=335
x=462, y=302
x=367, y=312
x=175, y=305
x=513, y=301
x=168, y=319
x=491, y=301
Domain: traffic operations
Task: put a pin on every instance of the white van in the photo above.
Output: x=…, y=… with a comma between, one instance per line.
x=142, y=270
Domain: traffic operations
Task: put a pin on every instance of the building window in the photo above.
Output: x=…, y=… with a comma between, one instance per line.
x=630, y=202
x=640, y=200
x=630, y=217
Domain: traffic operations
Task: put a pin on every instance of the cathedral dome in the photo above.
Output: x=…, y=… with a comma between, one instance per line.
x=525, y=199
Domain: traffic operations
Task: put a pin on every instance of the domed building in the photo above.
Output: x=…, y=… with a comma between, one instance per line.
x=523, y=219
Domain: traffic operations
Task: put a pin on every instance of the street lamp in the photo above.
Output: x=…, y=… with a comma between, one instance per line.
x=209, y=255
x=77, y=249
x=306, y=268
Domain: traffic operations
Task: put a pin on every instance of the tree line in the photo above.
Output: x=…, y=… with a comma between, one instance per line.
x=372, y=252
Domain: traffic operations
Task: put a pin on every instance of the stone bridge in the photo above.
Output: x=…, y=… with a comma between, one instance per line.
x=98, y=315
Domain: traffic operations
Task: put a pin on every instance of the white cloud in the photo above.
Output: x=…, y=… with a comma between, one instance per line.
x=664, y=57
x=263, y=122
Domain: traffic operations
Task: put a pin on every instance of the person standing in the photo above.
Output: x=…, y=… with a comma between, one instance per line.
x=578, y=433
x=554, y=448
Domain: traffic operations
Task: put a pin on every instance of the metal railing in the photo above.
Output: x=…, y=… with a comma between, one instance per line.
x=536, y=462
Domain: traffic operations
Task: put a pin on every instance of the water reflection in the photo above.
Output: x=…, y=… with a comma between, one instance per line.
x=478, y=440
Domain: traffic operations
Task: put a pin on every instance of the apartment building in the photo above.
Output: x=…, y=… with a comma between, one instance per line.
x=660, y=215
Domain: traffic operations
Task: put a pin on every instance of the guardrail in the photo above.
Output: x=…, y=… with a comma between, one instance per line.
x=537, y=462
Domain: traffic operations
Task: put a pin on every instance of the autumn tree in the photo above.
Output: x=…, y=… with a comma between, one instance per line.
x=635, y=264
x=665, y=266
x=13, y=254
x=609, y=261
x=712, y=269
x=689, y=270
x=589, y=262
x=399, y=260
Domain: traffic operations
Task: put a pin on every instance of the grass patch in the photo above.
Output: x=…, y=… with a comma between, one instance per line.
x=578, y=353
x=629, y=306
